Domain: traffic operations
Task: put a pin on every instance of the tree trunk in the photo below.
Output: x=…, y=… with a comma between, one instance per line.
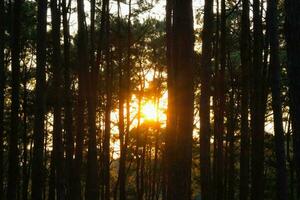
x=257, y=107
x=292, y=32
x=182, y=59
x=275, y=72
x=220, y=106
x=68, y=119
x=122, y=159
x=231, y=126
x=82, y=90
x=25, y=165
x=2, y=87
x=38, y=135
x=57, y=126
x=92, y=184
x=13, y=152
x=105, y=48
x=205, y=171
x=245, y=137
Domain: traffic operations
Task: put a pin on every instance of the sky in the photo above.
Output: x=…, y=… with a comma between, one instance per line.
x=158, y=11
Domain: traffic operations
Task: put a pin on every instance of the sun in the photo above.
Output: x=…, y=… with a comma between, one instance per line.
x=149, y=111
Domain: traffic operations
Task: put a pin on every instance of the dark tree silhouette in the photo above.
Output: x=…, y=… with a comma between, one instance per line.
x=13, y=152
x=38, y=135
x=245, y=68
x=2, y=87
x=68, y=119
x=57, y=126
x=182, y=64
x=293, y=45
x=275, y=73
x=205, y=73
x=257, y=107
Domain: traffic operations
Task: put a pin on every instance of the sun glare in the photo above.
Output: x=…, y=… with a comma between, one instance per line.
x=149, y=111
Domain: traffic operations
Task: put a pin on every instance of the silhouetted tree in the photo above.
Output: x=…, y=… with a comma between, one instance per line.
x=292, y=33
x=38, y=135
x=205, y=78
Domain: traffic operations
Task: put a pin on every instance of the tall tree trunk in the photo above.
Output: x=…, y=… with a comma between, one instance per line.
x=282, y=185
x=13, y=152
x=38, y=135
x=231, y=126
x=57, y=127
x=290, y=161
x=215, y=81
x=126, y=95
x=82, y=90
x=104, y=52
x=51, y=182
x=257, y=107
x=25, y=165
x=68, y=119
x=122, y=159
x=2, y=87
x=138, y=140
x=109, y=80
x=292, y=33
x=92, y=184
x=220, y=106
x=182, y=59
x=169, y=148
x=245, y=137
x=205, y=171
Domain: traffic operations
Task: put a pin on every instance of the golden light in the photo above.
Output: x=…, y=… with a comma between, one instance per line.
x=149, y=111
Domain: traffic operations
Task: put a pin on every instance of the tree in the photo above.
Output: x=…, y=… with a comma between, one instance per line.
x=292, y=35
x=91, y=98
x=2, y=87
x=68, y=105
x=82, y=72
x=13, y=175
x=37, y=174
x=220, y=107
x=257, y=107
x=205, y=74
x=275, y=73
x=57, y=126
x=182, y=64
x=245, y=68
x=125, y=96
x=108, y=90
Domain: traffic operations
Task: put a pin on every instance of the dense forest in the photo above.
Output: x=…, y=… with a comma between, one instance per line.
x=149, y=99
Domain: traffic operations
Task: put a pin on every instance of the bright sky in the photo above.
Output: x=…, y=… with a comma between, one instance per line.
x=158, y=11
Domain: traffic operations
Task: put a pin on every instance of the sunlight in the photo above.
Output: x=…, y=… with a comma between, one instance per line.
x=149, y=111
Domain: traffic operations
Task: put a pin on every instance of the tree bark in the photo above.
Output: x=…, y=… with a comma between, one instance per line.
x=182, y=59
x=106, y=145
x=275, y=72
x=13, y=152
x=92, y=184
x=25, y=165
x=57, y=126
x=292, y=33
x=205, y=76
x=68, y=119
x=38, y=135
x=220, y=106
x=245, y=137
x=2, y=87
x=82, y=92
x=257, y=107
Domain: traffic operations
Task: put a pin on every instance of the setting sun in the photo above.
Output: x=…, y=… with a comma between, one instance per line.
x=149, y=111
